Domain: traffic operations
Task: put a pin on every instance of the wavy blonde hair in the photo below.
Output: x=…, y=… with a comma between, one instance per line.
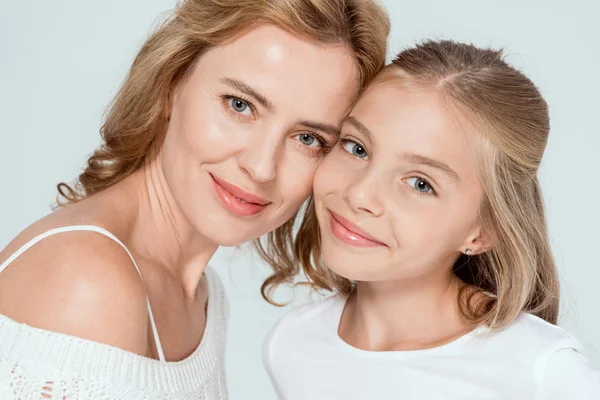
x=518, y=273
x=137, y=117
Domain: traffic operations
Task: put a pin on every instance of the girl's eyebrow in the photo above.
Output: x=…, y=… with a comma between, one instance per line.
x=419, y=159
x=359, y=126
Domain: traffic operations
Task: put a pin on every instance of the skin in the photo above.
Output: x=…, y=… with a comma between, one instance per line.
x=258, y=112
x=403, y=172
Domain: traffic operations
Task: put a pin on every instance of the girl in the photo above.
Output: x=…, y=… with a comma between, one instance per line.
x=431, y=230
x=212, y=140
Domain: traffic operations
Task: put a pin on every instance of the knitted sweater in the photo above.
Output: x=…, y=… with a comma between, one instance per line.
x=41, y=364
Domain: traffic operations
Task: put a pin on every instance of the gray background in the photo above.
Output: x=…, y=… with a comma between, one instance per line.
x=62, y=61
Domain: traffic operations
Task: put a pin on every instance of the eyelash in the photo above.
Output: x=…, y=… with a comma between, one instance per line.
x=341, y=142
x=226, y=98
x=325, y=147
x=433, y=191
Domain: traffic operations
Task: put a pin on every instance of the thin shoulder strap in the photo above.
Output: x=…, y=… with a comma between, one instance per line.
x=101, y=231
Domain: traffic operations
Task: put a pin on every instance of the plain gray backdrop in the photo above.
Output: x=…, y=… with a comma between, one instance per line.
x=61, y=62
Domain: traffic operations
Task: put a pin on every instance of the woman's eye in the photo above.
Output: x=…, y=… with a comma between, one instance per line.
x=240, y=106
x=308, y=140
x=355, y=149
x=420, y=185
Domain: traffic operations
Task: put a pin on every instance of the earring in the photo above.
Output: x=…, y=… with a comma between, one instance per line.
x=468, y=252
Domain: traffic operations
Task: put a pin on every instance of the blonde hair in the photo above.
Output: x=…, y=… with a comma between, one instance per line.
x=518, y=273
x=137, y=117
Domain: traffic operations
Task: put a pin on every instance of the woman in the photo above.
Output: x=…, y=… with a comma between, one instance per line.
x=428, y=222
x=212, y=140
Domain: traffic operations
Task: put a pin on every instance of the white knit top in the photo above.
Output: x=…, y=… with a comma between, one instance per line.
x=41, y=364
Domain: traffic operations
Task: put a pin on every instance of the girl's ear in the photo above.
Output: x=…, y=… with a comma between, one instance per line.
x=476, y=243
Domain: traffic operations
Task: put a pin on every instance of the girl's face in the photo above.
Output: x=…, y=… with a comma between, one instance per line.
x=398, y=196
x=248, y=128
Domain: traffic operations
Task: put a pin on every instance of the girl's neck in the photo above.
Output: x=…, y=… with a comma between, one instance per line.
x=410, y=314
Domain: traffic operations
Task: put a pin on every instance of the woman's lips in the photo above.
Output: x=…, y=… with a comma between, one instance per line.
x=350, y=233
x=236, y=199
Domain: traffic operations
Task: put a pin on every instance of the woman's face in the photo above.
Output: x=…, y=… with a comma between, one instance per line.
x=398, y=196
x=248, y=128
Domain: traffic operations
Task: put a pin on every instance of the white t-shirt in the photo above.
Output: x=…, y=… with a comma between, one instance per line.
x=530, y=359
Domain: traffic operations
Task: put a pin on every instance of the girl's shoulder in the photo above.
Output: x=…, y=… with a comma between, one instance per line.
x=322, y=307
x=314, y=322
x=528, y=341
x=532, y=333
x=311, y=319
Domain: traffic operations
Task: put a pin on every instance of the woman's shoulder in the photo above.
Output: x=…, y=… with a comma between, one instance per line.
x=216, y=294
x=76, y=282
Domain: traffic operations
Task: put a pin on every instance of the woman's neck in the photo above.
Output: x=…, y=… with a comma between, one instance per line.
x=158, y=233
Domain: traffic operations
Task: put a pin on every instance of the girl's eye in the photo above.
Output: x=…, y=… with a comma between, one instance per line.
x=356, y=149
x=240, y=106
x=420, y=185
